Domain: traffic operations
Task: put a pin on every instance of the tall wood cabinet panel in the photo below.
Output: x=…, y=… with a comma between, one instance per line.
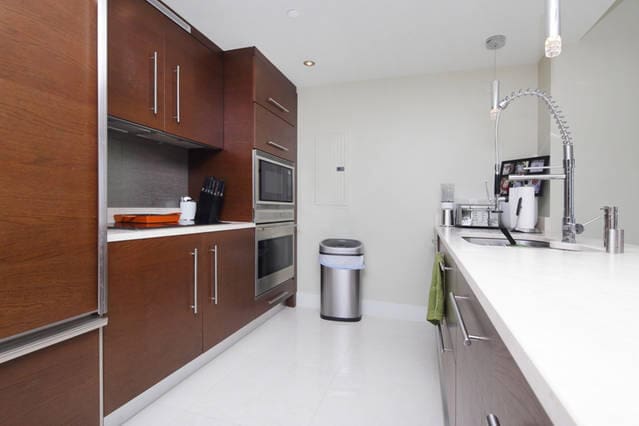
x=56, y=385
x=152, y=329
x=146, y=49
x=250, y=121
x=227, y=306
x=48, y=178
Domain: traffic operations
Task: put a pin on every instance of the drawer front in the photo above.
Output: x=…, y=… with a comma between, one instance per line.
x=275, y=296
x=273, y=91
x=274, y=135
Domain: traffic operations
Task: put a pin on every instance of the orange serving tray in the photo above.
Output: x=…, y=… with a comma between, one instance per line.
x=147, y=218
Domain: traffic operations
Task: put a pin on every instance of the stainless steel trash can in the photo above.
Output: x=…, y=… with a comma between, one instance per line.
x=341, y=263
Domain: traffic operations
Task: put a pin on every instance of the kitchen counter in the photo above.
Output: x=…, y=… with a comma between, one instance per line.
x=114, y=235
x=569, y=319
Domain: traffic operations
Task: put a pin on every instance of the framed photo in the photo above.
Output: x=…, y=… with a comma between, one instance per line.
x=523, y=166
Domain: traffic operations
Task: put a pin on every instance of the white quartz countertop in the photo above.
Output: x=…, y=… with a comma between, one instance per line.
x=114, y=235
x=570, y=320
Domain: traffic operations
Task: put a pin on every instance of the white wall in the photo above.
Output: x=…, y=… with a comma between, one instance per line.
x=596, y=81
x=403, y=137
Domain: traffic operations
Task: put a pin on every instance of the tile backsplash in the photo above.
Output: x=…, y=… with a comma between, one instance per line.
x=144, y=173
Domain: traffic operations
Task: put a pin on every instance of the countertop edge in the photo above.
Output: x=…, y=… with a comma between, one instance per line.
x=118, y=235
x=547, y=397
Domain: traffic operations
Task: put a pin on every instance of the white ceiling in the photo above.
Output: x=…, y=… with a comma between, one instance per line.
x=368, y=39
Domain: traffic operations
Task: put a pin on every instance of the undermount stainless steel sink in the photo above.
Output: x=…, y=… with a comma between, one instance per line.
x=502, y=242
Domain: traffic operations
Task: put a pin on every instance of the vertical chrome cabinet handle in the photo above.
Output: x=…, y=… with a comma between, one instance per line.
x=278, y=105
x=277, y=145
x=214, y=252
x=177, y=94
x=492, y=420
x=445, y=268
x=468, y=338
x=154, y=108
x=194, y=305
x=440, y=340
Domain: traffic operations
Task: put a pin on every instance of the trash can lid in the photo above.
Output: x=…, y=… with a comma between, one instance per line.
x=341, y=246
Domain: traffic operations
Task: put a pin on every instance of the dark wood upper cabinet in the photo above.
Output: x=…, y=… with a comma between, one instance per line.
x=193, y=89
x=146, y=50
x=48, y=166
x=58, y=385
x=153, y=329
x=228, y=283
x=136, y=60
x=274, y=135
x=273, y=90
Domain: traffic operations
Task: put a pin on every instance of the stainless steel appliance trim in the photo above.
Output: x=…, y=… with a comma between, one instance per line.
x=279, y=105
x=440, y=340
x=468, y=338
x=279, y=298
x=277, y=145
x=102, y=72
x=170, y=14
x=177, y=94
x=101, y=372
x=154, y=108
x=262, y=156
x=194, y=305
x=273, y=280
x=31, y=343
x=214, y=252
x=140, y=131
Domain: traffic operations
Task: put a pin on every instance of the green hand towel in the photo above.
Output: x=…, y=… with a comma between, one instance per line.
x=436, y=294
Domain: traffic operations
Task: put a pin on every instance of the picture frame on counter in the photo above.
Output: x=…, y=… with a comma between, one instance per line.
x=536, y=165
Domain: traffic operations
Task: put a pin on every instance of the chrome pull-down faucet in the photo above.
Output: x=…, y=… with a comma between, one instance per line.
x=570, y=227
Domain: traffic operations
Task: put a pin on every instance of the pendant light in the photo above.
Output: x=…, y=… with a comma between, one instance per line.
x=494, y=43
x=552, y=46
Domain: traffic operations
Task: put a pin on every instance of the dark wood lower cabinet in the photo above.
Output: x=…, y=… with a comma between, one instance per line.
x=229, y=308
x=58, y=385
x=485, y=377
x=153, y=329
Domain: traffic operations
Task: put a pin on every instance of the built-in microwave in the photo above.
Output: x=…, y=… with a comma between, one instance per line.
x=274, y=255
x=273, y=188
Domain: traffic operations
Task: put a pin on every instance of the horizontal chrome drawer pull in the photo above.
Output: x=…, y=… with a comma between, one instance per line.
x=277, y=145
x=278, y=105
x=468, y=338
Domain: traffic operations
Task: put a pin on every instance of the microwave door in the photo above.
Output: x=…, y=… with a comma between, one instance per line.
x=275, y=183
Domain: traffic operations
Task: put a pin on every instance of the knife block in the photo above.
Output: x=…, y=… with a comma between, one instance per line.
x=208, y=208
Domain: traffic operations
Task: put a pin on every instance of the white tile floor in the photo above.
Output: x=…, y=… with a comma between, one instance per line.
x=297, y=369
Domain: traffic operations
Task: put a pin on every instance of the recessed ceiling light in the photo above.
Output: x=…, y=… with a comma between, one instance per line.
x=309, y=63
x=292, y=13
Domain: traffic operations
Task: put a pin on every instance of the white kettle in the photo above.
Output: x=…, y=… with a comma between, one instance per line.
x=187, y=210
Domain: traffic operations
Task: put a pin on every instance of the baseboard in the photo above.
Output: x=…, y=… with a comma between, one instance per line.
x=373, y=308
x=131, y=408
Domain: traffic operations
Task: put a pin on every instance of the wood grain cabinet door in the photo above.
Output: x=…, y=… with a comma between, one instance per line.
x=474, y=362
x=58, y=385
x=274, y=135
x=228, y=277
x=153, y=329
x=193, y=89
x=136, y=62
x=273, y=90
x=48, y=162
